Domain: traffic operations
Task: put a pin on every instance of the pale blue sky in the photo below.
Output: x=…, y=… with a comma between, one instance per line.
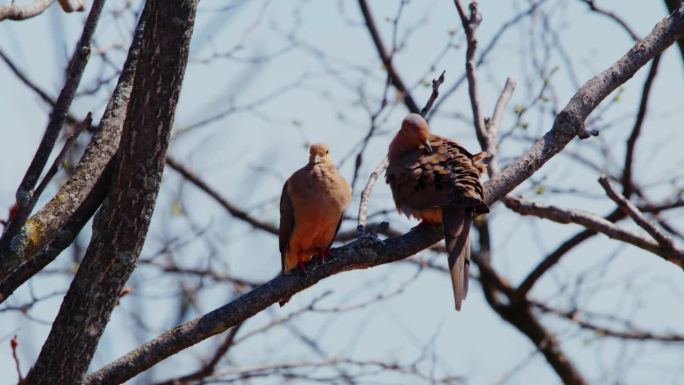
x=248, y=155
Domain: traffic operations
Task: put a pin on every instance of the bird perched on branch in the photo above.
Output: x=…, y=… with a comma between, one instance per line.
x=311, y=207
x=437, y=180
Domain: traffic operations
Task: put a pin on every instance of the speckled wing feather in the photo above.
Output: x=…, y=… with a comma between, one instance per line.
x=446, y=177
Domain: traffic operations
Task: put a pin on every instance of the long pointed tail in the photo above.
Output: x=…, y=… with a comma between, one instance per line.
x=456, y=223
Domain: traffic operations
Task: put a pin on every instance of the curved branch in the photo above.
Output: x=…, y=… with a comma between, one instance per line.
x=387, y=59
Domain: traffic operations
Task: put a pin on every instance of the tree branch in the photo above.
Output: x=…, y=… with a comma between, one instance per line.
x=387, y=59
x=570, y=121
x=120, y=227
x=16, y=12
x=595, y=223
x=627, y=187
x=16, y=237
x=470, y=24
x=630, y=209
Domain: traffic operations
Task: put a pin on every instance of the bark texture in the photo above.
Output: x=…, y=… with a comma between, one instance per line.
x=121, y=224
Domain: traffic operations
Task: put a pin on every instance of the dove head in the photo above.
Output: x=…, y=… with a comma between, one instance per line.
x=414, y=133
x=318, y=153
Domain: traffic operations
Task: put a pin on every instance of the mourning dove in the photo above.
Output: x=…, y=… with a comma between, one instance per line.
x=311, y=207
x=435, y=179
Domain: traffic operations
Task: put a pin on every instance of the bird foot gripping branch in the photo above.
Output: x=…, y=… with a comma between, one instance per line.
x=370, y=237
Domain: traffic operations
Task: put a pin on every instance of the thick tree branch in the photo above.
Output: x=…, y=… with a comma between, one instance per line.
x=49, y=221
x=65, y=236
x=672, y=6
x=121, y=225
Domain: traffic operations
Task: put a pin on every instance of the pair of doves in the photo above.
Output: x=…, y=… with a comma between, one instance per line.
x=432, y=178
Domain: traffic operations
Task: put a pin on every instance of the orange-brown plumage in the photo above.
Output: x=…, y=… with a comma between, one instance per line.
x=437, y=180
x=311, y=207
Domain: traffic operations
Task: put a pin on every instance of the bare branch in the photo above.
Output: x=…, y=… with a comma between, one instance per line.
x=595, y=223
x=231, y=208
x=387, y=58
x=630, y=209
x=592, y=5
x=433, y=96
x=494, y=123
x=470, y=25
x=627, y=187
x=11, y=249
x=366, y=193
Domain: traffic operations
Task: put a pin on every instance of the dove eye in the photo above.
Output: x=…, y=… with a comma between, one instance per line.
x=326, y=152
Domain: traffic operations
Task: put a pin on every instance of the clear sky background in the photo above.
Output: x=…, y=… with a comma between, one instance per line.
x=300, y=74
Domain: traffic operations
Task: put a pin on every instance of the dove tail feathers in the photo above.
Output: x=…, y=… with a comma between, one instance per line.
x=456, y=223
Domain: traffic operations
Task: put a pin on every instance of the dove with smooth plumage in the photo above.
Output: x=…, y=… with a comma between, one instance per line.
x=311, y=207
x=437, y=180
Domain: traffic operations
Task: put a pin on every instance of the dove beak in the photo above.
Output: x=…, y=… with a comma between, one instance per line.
x=427, y=145
x=317, y=159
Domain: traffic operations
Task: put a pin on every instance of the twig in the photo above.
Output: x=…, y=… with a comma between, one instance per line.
x=494, y=123
x=13, y=345
x=365, y=194
x=470, y=25
x=386, y=58
x=613, y=16
x=627, y=187
x=435, y=93
x=231, y=208
x=490, y=47
x=574, y=317
x=630, y=209
x=209, y=368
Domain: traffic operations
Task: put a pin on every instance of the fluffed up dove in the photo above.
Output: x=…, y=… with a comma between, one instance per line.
x=311, y=207
x=435, y=179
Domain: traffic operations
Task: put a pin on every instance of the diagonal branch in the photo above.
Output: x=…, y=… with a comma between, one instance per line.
x=231, y=208
x=387, y=58
x=630, y=209
x=15, y=237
